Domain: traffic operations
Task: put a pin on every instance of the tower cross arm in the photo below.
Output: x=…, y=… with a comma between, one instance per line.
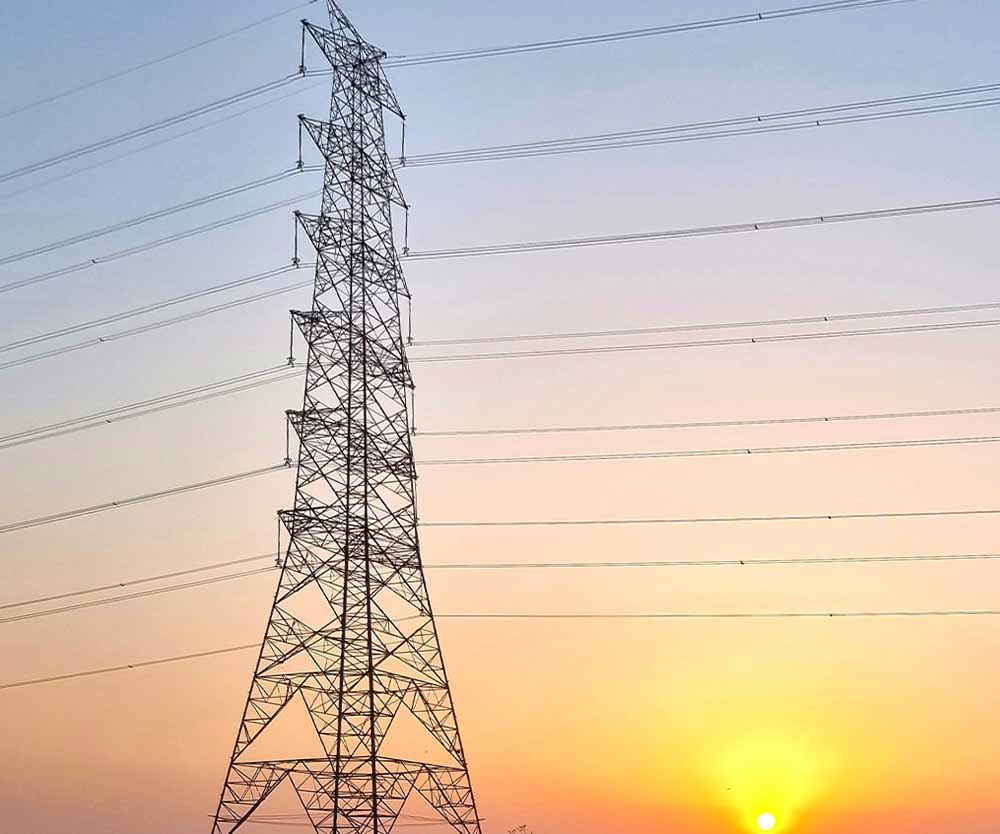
x=348, y=53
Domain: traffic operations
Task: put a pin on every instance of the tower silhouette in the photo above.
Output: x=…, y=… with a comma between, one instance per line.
x=351, y=635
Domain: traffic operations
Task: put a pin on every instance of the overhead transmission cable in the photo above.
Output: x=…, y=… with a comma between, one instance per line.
x=152, y=127
x=955, y=613
x=785, y=321
x=115, y=586
x=732, y=341
x=69, y=91
x=159, y=142
x=491, y=567
x=635, y=34
x=751, y=125
x=131, y=223
x=182, y=318
x=652, y=330
x=149, y=592
x=632, y=138
x=665, y=454
x=119, y=254
x=252, y=92
x=93, y=509
x=128, y=666
x=714, y=424
x=281, y=373
x=153, y=405
x=542, y=245
x=703, y=231
x=701, y=343
x=731, y=519
x=238, y=383
x=144, y=309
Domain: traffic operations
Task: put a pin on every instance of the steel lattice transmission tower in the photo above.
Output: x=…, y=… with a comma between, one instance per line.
x=372, y=653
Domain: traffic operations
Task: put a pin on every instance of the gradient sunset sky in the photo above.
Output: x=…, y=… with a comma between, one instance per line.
x=599, y=727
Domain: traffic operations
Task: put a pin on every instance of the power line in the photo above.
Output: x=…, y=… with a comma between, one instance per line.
x=66, y=515
x=23, y=436
x=140, y=499
x=433, y=58
x=127, y=666
x=702, y=231
x=704, y=424
x=828, y=318
x=720, y=129
x=719, y=563
x=522, y=337
x=153, y=326
x=152, y=127
x=159, y=142
x=281, y=373
x=400, y=61
x=537, y=246
x=473, y=340
x=865, y=106
x=576, y=144
x=624, y=616
x=634, y=34
x=727, y=452
x=515, y=151
x=700, y=343
x=633, y=138
x=96, y=603
x=203, y=228
x=731, y=341
x=114, y=586
x=823, y=561
x=154, y=405
x=414, y=60
x=21, y=108
x=149, y=308
x=131, y=223
x=533, y=354
x=733, y=519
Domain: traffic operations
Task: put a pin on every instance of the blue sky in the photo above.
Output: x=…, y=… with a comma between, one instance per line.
x=775, y=65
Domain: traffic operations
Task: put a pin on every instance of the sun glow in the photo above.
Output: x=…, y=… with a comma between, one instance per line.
x=766, y=822
x=770, y=779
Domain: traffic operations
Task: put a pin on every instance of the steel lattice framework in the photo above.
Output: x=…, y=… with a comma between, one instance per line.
x=374, y=653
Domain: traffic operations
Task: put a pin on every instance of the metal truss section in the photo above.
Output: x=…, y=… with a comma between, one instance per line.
x=344, y=48
x=351, y=639
x=380, y=172
x=445, y=788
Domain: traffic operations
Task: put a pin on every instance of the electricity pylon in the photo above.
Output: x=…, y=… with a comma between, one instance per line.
x=367, y=652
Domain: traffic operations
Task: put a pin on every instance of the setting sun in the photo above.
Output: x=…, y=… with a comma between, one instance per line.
x=770, y=777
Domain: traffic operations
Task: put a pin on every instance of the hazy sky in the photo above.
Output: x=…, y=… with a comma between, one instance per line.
x=840, y=727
